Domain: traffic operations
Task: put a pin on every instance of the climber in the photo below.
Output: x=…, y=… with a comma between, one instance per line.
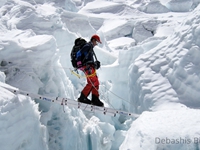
x=86, y=63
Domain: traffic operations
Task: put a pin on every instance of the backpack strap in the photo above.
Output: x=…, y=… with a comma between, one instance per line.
x=94, y=55
x=90, y=51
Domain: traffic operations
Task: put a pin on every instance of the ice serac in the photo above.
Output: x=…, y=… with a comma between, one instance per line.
x=153, y=7
x=165, y=80
x=20, y=126
x=166, y=73
x=180, y=6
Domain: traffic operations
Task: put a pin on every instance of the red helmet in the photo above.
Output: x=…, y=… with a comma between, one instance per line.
x=96, y=37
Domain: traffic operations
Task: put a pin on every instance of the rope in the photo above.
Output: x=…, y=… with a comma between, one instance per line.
x=85, y=76
x=118, y=96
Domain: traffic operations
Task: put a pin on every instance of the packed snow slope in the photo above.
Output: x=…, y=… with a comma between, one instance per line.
x=149, y=65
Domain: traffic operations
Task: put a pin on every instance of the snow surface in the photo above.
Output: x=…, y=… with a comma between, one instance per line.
x=150, y=66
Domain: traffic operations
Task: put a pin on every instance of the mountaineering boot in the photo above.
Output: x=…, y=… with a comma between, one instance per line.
x=84, y=99
x=96, y=101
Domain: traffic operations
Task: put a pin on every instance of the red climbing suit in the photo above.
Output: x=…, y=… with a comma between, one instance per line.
x=92, y=82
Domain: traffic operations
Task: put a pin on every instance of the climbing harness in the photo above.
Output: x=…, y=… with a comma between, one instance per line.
x=75, y=72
